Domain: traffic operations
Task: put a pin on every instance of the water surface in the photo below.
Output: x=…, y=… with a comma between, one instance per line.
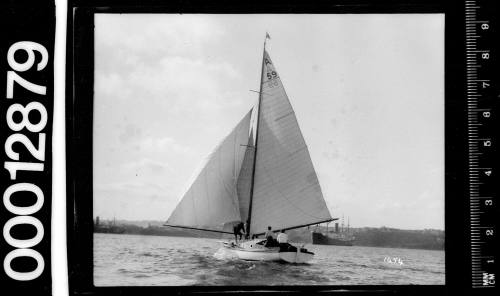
x=135, y=260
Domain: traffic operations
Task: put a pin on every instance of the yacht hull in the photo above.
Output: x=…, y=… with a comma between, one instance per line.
x=252, y=251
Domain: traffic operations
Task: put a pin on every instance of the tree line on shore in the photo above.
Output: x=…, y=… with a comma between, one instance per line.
x=430, y=239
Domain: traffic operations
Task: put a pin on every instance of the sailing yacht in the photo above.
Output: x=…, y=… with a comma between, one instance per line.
x=261, y=174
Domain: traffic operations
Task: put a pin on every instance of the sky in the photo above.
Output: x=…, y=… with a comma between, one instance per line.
x=367, y=91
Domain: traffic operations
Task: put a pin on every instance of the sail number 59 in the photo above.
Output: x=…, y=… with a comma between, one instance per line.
x=23, y=127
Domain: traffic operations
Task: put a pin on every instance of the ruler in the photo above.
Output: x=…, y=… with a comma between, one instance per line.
x=482, y=97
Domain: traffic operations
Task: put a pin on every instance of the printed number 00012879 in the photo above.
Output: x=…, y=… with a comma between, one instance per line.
x=21, y=130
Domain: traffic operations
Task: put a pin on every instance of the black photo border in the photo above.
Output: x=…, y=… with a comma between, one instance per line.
x=35, y=22
x=79, y=121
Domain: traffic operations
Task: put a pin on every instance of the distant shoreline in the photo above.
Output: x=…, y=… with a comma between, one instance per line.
x=383, y=237
x=227, y=238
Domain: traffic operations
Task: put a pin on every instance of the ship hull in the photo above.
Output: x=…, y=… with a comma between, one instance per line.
x=113, y=230
x=321, y=239
x=251, y=251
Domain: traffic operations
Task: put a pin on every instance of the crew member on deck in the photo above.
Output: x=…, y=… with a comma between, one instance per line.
x=269, y=233
x=282, y=240
x=269, y=237
x=282, y=237
x=237, y=230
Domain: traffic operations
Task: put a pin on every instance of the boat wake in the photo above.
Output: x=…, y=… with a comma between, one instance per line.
x=225, y=254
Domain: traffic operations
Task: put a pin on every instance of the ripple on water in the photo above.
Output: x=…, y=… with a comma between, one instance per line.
x=138, y=276
x=131, y=260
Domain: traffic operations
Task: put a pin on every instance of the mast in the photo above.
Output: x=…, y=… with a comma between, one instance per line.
x=249, y=218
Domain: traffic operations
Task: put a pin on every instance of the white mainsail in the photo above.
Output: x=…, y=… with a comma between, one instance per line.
x=286, y=190
x=211, y=202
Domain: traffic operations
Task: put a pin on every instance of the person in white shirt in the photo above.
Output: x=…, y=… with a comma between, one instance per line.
x=282, y=237
x=283, y=241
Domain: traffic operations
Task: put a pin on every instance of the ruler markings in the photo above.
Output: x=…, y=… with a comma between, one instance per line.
x=475, y=26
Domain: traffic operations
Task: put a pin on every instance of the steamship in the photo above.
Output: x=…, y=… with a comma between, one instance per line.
x=109, y=227
x=337, y=237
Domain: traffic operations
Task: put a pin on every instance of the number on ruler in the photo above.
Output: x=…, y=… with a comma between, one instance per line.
x=488, y=279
